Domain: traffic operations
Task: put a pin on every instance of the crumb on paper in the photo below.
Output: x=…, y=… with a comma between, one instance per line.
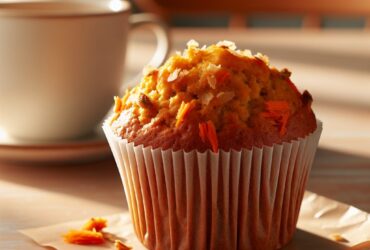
x=84, y=237
x=339, y=238
x=95, y=223
x=119, y=245
x=110, y=237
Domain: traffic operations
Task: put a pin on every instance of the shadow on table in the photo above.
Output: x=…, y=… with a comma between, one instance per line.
x=341, y=176
x=303, y=240
x=100, y=181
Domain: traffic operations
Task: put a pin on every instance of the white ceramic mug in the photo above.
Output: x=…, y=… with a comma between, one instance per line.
x=61, y=63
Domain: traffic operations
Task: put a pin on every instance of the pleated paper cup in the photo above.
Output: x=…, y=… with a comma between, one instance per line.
x=247, y=199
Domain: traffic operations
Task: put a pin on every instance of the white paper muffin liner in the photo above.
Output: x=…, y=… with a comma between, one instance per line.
x=247, y=199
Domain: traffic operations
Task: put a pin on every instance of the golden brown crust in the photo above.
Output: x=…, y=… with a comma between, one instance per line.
x=247, y=102
x=231, y=137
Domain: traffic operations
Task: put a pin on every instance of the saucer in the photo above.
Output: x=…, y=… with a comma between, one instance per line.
x=93, y=147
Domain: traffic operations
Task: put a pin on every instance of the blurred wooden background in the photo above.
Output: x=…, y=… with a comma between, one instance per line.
x=242, y=13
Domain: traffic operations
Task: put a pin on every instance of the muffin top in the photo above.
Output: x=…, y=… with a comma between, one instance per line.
x=213, y=97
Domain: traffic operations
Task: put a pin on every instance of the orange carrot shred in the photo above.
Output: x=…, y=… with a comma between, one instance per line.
x=114, y=117
x=279, y=111
x=203, y=131
x=207, y=132
x=212, y=136
x=183, y=111
x=280, y=106
x=90, y=234
x=117, y=104
x=84, y=237
x=222, y=75
x=96, y=224
x=284, y=123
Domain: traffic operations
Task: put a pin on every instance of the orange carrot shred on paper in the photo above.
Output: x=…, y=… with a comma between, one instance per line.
x=90, y=234
x=279, y=111
x=84, y=237
x=183, y=111
x=96, y=224
x=207, y=132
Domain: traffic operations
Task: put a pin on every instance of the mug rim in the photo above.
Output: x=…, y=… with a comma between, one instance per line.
x=62, y=8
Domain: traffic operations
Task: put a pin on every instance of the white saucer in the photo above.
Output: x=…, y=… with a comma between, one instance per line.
x=88, y=149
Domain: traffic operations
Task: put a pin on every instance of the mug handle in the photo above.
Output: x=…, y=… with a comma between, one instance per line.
x=161, y=32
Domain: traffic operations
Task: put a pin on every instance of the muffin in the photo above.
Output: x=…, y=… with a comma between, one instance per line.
x=214, y=149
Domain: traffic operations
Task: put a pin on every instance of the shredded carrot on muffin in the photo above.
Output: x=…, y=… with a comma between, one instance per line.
x=203, y=131
x=277, y=106
x=207, y=132
x=279, y=111
x=284, y=123
x=117, y=104
x=114, y=118
x=222, y=75
x=230, y=87
x=212, y=136
x=84, y=237
x=184, y=109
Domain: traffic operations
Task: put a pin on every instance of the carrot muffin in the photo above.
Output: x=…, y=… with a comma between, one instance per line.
x=214, y=97
x=214, y=149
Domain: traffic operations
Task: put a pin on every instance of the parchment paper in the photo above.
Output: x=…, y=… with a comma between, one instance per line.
x=319, y=216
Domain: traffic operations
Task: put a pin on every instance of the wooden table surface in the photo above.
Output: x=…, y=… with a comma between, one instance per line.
x=333, y=65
